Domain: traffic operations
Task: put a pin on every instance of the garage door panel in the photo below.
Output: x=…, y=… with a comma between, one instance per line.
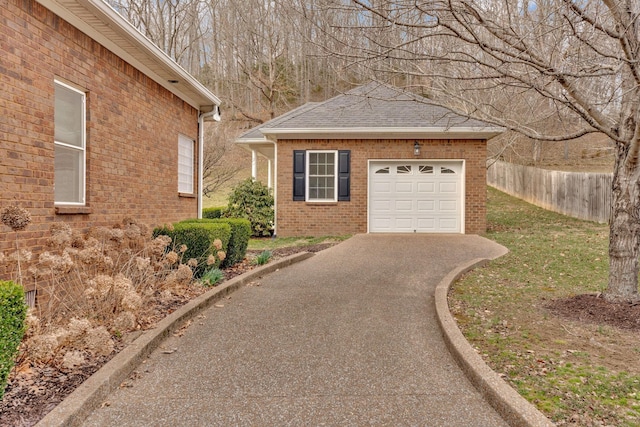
x=448, y=224
x=426, y=187
x=427, y=224
x=382, y=187
x=426, y=205
x=416, y=197
x=404, y=187
x=448, y=206
x=382, y=223
x=381, y=205
x=405, y=223
x=448, y=187
x=403, y=205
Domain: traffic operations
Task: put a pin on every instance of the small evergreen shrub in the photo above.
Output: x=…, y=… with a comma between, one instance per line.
x=200, y=238
x=252, y=200
x=212, y=213
x=12, y=316
x=212, y=277
x=239, y=240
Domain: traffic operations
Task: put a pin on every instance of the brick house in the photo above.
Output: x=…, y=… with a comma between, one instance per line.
x=375, y=160
x=96, y=123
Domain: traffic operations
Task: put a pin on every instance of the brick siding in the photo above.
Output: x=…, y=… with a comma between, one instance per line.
x=132, y=128
x=318, y=219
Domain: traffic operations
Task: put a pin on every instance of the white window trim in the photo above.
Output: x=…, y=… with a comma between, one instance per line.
x=335, y=176
x=183, y=139
x=83, y=149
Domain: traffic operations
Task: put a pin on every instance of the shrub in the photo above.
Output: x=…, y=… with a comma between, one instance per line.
x=239, y=240
x=252, y=200
x=200, y=239
x=212, y=277
x=12, y=316
x=212, y=213
x=263, y=258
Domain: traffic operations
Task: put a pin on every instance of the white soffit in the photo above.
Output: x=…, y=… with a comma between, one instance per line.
x=102, y=23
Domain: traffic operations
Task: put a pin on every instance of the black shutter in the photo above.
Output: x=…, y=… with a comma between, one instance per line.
x=299, y=157
x=344, y=172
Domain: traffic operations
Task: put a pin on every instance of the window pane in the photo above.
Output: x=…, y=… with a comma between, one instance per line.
x=185, y=164
x=322, y=176
x=68, y=116
x=69, y=175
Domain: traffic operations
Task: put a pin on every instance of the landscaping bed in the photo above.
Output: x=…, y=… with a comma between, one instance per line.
x=35, y=389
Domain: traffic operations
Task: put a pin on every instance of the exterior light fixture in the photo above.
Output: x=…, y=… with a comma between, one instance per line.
x=416, y=149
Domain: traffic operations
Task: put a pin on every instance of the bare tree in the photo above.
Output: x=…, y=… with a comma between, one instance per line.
x=552, y=70
x=222, y=160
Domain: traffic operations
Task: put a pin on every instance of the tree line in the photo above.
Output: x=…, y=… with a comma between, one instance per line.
x=547, y=70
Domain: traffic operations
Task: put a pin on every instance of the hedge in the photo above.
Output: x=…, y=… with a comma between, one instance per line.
x=12, y=315
x=240, y=234
x=212, y=213
x=199, y=238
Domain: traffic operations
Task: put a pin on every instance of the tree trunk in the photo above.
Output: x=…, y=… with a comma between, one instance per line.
x=624, y=232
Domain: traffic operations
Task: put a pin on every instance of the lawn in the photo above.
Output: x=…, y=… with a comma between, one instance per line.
x=577, y=373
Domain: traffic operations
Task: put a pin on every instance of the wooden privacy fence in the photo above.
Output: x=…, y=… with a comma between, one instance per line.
x=577, y=194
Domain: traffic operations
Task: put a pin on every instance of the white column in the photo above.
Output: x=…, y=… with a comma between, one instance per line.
x=269, y=174
x=254, y=164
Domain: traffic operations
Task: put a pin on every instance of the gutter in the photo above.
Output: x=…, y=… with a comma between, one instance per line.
x=214, y=115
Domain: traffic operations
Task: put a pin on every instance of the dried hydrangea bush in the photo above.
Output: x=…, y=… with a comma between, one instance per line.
x=95, y=286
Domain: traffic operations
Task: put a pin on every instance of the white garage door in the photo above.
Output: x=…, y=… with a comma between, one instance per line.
x=416, y=197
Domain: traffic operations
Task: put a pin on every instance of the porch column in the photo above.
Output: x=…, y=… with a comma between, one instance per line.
x=269, y=185
x=254, y=164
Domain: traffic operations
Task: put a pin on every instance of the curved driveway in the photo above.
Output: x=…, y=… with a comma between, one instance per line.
x=348, y=337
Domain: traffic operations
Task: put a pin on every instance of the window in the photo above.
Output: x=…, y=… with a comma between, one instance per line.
x=403, y=169
x=321, y=176
x=186, y=160
x=69, y=145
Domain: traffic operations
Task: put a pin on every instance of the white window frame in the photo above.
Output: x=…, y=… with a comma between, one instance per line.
x=308, y=176
x=82, y=149
x=186, y=164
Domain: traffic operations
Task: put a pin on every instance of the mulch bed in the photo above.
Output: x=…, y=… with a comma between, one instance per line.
x=593, y=308
x=33, y=391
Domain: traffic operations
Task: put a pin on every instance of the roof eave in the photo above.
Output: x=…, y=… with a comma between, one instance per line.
x=186, y=88
x=483, y=133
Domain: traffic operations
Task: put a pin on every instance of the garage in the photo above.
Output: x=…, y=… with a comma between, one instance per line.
x=425, y=196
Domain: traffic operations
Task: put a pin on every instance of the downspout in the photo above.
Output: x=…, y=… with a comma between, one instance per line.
x=215, y=114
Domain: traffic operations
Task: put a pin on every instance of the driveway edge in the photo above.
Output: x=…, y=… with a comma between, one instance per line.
x=76, y=407
x=515, y=409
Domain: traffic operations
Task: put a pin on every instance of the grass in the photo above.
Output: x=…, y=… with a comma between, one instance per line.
x=577, y=373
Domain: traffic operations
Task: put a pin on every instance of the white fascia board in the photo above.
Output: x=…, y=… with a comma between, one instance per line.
x=114, y=21
x=387, y=132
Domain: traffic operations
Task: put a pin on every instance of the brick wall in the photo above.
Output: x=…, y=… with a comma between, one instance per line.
x=313, y=219
x=132, y=128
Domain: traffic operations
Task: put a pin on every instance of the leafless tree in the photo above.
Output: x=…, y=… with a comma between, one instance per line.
x=552, y=70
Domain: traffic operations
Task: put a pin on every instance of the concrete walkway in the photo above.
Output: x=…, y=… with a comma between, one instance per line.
x=348, y=337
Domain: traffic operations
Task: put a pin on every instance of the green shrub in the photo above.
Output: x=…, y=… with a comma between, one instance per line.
x=12, y=315
x=263, y=258
x=212, y=213
x=252, y=200
x=212, y=277
x=199, y=237
x=239, y=240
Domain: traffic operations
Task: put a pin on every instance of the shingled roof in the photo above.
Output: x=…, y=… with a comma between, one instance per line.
x=371, y=111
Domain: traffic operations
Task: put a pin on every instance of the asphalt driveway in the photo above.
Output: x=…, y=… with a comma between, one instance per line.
x=348, y=337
